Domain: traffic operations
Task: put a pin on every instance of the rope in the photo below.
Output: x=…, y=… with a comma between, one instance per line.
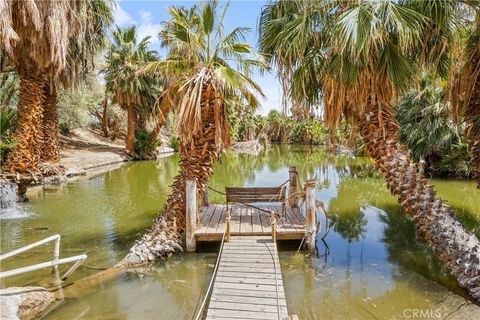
x=249, y=205
x=276, y=279
x=200, y=312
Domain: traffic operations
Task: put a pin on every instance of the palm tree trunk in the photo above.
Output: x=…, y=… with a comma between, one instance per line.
x=50, y=151
x=196, y=162
x=473, y=120
x=131, y=126
x=142, y=122
x=156, y=130
x=105, y=129
x=434, y=219
x=25, y=155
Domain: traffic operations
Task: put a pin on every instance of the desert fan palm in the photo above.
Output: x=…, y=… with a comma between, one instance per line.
x=208, y=66
x=129, y=88
x=39, y=39
x=371, y=52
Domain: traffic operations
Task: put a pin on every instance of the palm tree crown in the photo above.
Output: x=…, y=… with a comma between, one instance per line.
x=200, y=54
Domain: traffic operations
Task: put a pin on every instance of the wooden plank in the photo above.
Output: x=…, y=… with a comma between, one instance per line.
x=235, y=220
x=256, y=222
x=255, y=264
x=248, y=275
x=248, y=269
x=248, y=293
x=249, y=255
x=294, y=218
x=228, y=279
x=257, y=308
x=254, y=190
x=256, y=300
x=206, y=214
x=245, y=286
x=216, y=217
x=299, y=215
x=234, y=314
x=246, y=222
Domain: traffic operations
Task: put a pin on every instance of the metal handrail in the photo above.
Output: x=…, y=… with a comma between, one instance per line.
x=52, y=263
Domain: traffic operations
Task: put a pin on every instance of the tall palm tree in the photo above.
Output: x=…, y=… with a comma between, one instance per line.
x=358, y=58
x=22, y=22
x=95, y=17
x=129, y=88
x=465, y=91
x=208, y=66
x=37, y=38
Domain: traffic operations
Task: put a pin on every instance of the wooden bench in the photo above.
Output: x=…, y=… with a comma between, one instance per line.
x=256, y=194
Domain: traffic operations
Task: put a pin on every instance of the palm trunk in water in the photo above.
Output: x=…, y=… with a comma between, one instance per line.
x=131, y=126
x=434, y=220
x=196, y=163
x=25, y=156
x=49, y=151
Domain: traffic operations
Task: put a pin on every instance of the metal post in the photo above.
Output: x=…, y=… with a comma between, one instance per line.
x=292, y=176
x=191, y=212
x=310, y=213
x=56, y=250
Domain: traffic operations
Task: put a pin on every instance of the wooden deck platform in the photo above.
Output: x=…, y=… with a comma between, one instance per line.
x=248, y=221
x=248, y=284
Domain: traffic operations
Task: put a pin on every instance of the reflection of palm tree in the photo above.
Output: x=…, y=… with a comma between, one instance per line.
x=350, y=226
x=405, y=249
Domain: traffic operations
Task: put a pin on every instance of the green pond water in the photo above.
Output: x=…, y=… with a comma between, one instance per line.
x=375, y=268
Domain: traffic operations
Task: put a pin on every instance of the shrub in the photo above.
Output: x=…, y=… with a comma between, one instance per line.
x=7, y=126
x=143, y=148
x=175, y=143
x=278, y=126
x=309, y=131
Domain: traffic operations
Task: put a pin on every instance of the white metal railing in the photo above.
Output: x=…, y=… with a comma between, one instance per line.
x=52, y=263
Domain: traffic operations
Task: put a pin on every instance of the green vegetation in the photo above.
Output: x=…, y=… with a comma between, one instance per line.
x=428, y=129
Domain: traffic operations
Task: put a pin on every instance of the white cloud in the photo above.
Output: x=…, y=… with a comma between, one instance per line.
x=149, y=29
x=146, y=16
x=121, y=17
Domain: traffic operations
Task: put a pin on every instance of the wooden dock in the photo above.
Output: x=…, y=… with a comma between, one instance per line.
x=248, y=221
x=248, y=284
x=247, y=279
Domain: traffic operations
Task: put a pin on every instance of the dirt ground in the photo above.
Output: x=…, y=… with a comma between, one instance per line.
x=84, y=149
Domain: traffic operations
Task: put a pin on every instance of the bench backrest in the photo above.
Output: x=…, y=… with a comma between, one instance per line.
x=257, y=194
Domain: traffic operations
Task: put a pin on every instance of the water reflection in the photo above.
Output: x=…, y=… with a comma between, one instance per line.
x=376, y=267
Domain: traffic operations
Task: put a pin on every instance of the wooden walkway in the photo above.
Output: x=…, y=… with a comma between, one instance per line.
x=248, y=221
x=248, y=284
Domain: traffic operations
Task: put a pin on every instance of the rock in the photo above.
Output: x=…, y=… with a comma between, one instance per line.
x=248, y=147
x=24, y=302
x=163, y=152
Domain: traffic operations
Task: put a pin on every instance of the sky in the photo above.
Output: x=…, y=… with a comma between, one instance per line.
x=147, y=16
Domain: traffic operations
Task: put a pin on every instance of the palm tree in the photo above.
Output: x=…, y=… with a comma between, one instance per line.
x=358, y=58
x=465, y=91
x=95, y=17
x=422, y=110
x=129, y=88
x=208, y=68
x=40, y=52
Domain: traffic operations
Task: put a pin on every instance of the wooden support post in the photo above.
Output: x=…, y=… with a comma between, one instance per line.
x=310, y=213
x=191, y=211
x=292, y=176
x=227, y=232
x=204, y=202
x=273, y=221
